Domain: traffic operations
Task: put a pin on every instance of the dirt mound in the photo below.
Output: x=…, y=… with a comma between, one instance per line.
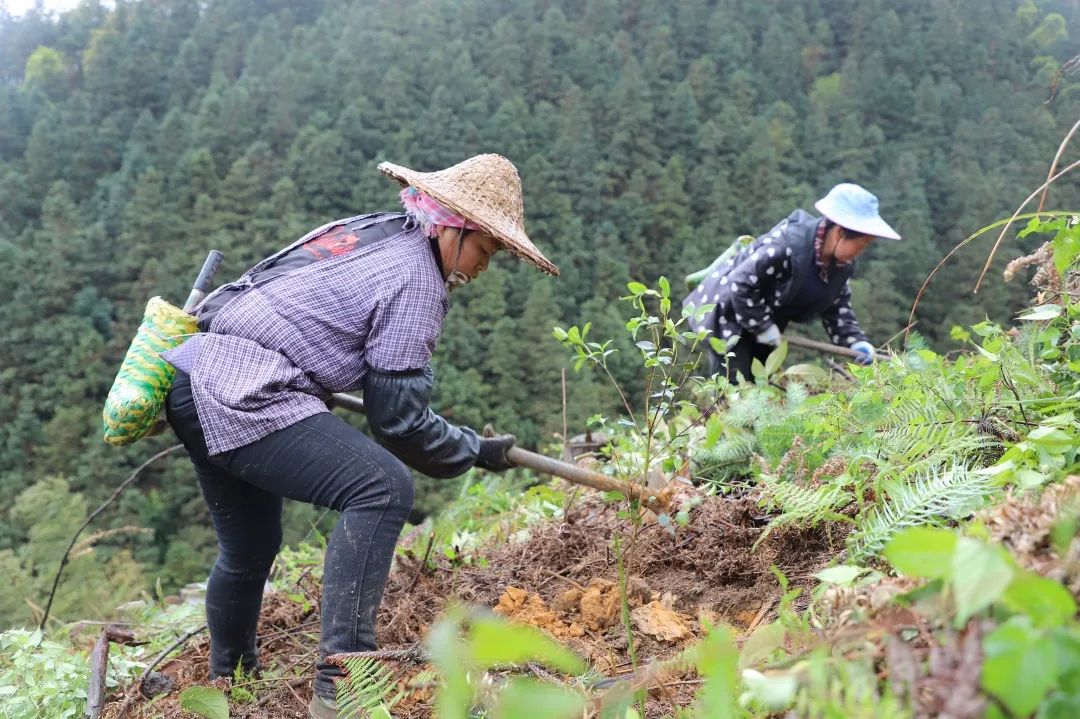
x=563, y=580
x=1024, y=524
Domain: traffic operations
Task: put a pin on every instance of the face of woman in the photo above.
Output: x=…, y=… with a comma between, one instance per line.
x=849, y=245
x=476, y=251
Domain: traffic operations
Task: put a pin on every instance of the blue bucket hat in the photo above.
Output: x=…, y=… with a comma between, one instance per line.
x=854, y=208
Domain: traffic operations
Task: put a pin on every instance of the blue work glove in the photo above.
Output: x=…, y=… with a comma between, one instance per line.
x=770, y=336
x=866, y=352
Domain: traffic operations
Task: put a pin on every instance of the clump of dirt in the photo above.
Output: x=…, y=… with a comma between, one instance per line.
x=659, y=621
x=527, y=608
x=562, y=578
x=1024, y=524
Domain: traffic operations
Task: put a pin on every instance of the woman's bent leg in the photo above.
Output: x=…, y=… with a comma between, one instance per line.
x=325, y=461
x=247, y=521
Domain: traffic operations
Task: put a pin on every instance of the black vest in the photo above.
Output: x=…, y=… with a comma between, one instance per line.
x=807, y=296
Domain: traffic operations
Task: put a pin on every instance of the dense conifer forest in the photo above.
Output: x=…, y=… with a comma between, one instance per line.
x=135, y=138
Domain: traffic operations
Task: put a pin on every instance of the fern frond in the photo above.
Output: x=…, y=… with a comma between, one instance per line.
x=743, y=413
x=774, y=440
x=727, y=458
x=912, y=450
x=930, y=499
x=797, y=394
x=802, y=505
x=366, y=689
x=424, y=678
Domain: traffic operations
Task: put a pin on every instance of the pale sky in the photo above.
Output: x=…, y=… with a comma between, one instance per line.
x=19, y=7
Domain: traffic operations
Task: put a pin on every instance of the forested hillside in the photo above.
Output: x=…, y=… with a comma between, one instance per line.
x=648, y=134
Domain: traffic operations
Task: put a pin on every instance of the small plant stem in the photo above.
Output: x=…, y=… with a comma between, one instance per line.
x=1012, y=388
x=615, y=383
x=679, y=387
x=624, y=604
x=565, y=436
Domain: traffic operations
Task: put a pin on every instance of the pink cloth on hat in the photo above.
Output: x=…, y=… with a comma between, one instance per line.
x=431, y=213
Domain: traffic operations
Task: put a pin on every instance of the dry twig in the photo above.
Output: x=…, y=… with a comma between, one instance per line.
x=93, y=515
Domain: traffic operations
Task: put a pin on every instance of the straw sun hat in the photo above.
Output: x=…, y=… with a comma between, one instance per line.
x=485, y=189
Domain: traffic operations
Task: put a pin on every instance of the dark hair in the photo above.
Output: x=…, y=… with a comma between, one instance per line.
x=829, y=224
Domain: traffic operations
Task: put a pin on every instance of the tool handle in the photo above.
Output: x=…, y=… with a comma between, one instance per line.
x=580, y=475
x=204, y=280
x=547, y=465
x=827, y=348
x=347, y=401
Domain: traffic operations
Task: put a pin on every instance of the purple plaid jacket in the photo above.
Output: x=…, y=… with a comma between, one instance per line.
x=274, y=353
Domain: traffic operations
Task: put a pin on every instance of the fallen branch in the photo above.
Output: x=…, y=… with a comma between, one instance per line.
x=99, y=667
x=136, y=688
x=415, y=654
x=93, y=515
x=169, y=650
x=766, y=605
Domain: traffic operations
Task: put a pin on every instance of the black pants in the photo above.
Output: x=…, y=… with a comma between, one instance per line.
x=321, y=460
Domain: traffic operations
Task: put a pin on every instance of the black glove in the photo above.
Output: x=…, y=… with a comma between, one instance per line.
x=492, y=454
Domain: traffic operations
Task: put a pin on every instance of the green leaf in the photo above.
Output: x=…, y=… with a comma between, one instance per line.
x=636, y=288
x=1063, y=530
x=497, y=641
x=980, y=574
x=1020, y=666
x=449, y=653
x=1067, y=646
x=1042, y=312
x=959, y=334
x=1060, y=706
x=757, y=369
x=717, y=659
x=1051, y=439
x=774, y=692
x=665, y=287
x=922, y=552
x=1044, y=600
x=528, y=698
x=763, y=642
x=776, y=359
x=1066, y=246
x=842, y=574
x=714, y=428
x=206, y=702
x=808, y=372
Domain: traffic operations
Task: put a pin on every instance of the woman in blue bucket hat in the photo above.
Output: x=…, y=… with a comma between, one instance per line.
x=797, y=271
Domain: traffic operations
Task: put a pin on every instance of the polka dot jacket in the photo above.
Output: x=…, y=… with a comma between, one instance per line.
x=776, y=280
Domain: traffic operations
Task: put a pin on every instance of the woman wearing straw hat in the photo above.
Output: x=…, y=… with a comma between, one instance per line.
x=797, y=271
x=355, y=304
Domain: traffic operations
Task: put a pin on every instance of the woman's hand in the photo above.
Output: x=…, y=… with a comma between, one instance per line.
x=492, y=455
x=771, y=336
x=866, y=352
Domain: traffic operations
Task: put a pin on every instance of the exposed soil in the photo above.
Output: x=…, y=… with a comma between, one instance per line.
x=1024, y=523
x=561, y=579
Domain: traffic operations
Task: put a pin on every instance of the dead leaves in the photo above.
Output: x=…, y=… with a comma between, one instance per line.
x=660, y=622
x=596, y=608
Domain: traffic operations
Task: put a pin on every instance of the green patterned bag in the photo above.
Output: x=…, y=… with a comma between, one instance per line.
x=137, y=395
